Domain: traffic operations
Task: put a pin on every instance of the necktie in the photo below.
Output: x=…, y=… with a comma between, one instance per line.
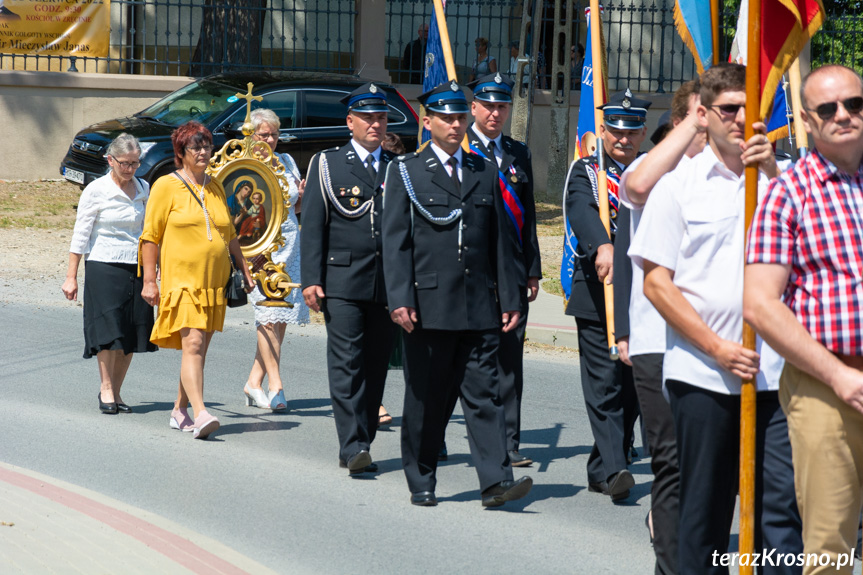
x=453, y=163
x=370, y=165
x=491, y=148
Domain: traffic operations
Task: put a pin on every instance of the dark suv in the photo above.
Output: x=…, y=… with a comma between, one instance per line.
x=312, y=119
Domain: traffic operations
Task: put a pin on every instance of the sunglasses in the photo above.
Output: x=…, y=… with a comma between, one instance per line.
x=828, y=110
x=728, y=109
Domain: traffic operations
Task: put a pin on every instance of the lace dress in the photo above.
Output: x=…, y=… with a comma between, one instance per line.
x=289, y=254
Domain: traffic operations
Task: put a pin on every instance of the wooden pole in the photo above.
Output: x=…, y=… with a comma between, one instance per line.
x=800, y=136
x=747, y=394
x=440, y=16
x=599, y=118
x=714, y=26
x=446, y=46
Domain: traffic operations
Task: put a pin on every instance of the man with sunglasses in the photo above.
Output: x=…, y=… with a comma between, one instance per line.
x=804, y=296
x=690, y=244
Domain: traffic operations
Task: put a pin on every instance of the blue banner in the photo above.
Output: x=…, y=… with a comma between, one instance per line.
x=586, y=125
x=693, y=23
x=434, y=73
x=777, y=123
x=586, y=107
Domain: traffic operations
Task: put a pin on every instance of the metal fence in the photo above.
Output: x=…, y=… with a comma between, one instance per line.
x=199, y=37
x=643, y=49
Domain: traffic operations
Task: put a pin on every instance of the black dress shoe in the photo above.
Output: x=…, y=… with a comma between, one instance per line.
x=617, y=487
x=516, y=459
x=424, y=499
x=123, y=408
x=359, y=462
x=371, y=468
x=500, y=493
x=110, y=408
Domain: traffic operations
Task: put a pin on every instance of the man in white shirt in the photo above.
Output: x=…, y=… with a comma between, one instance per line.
x=690, y=242
x=644, y=348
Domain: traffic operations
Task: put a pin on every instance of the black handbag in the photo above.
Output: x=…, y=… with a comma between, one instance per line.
x=235, y=289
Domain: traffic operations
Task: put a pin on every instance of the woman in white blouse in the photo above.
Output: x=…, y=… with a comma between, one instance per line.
x=117, y=321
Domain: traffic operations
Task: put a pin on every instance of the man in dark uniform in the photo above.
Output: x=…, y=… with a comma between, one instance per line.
x=492, y=102
x=609, y=393
x=447, y=261
x=342, y=271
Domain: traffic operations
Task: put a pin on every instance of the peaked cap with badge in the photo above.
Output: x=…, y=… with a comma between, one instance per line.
x=367, y=98
x=492, y=88
x=623, y=111
x=446, y=98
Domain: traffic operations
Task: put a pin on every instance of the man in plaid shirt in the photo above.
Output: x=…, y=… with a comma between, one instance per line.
x=803, y=294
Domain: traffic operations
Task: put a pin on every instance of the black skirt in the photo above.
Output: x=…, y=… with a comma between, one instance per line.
x=115, y=314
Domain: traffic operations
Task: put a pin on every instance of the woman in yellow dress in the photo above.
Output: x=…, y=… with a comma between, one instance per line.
x=188, y=229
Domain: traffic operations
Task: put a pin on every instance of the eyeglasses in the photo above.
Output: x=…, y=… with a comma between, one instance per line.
x=126, y=165
x=197, y=149
x=268, y=135
x=827, y=110
x=729, y=109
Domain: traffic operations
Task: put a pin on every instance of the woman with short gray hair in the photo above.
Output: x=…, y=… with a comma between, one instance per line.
x=117, y=321
x=271, y=321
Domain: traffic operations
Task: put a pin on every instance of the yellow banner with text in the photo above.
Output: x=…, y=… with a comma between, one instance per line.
x=55, y=27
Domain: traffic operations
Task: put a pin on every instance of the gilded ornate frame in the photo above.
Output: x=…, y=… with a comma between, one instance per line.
x=250, y=156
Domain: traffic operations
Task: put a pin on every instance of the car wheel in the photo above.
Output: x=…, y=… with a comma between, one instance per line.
x=159, y=172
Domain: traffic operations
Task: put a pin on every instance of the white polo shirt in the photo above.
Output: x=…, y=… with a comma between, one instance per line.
x=693, y=224
x=646, y=326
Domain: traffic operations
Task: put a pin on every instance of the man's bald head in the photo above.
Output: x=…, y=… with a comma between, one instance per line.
x=823, y=73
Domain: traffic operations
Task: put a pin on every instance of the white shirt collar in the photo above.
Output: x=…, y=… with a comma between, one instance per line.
x=363, y=153
x=443, y=156
x=485, y=139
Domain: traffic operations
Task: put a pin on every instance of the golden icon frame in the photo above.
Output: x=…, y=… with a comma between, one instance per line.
x=248, y=155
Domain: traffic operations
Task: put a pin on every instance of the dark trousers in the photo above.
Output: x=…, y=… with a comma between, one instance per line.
x=360, y=338
x=510, y=368
x=438, y=365
x=661, y=440
x=612, y=405
x=707, y=425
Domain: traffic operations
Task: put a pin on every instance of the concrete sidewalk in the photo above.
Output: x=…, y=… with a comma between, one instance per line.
x=49, y=526
x=547, y=323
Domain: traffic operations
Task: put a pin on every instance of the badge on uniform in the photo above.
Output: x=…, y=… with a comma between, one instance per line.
x=342, y=191
x=355, y=202
x=514, y=179
x=355, y=190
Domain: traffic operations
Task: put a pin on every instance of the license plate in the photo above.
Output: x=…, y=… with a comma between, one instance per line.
x=73, y=175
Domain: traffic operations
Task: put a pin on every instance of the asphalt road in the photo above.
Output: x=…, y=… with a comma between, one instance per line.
x=269, y=486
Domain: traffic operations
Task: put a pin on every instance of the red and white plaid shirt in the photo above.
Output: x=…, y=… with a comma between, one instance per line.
x=812, y=220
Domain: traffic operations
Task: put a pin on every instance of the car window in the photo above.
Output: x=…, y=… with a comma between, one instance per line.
x=324, y=109
x=201, y=101
x=283, y=103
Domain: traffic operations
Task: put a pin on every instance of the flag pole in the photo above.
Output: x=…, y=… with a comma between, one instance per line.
x=714, y=24
x=602, y=184
x=440, y=16
x=747, y=394
x=800, y=137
